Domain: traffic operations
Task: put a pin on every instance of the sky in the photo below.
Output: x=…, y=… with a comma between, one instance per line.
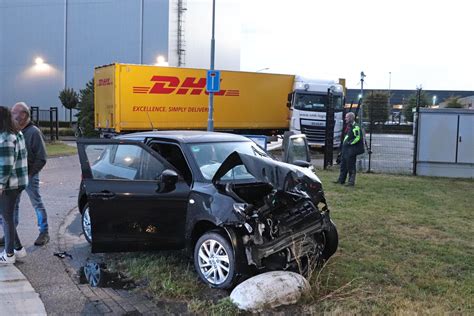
x=398, y=44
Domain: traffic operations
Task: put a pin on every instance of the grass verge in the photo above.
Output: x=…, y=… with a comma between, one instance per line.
x=406, y=246
x=56, y=149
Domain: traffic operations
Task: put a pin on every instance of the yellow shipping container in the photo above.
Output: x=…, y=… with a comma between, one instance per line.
x=138, y=97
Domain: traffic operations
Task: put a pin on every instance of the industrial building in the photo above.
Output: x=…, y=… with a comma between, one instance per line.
x=48, y=45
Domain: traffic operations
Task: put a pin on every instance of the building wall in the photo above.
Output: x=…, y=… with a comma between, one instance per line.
x=73, y=36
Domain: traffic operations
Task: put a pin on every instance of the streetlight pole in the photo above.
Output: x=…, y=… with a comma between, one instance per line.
x=210, y=119
x=362, y=76
x=389, y=86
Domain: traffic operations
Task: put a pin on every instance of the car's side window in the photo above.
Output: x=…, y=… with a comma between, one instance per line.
x=173, y=154
x=122, y=162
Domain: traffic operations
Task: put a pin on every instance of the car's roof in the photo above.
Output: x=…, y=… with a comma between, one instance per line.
x=187, y=136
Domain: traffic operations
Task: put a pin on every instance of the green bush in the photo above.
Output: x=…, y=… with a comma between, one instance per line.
x=85, y=117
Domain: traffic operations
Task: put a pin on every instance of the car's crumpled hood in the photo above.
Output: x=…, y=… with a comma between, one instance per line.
x=282, y=176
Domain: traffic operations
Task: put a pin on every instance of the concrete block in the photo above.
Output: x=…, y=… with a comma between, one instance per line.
x=269, y=290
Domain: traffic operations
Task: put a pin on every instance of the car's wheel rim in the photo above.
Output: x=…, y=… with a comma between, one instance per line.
x=86, y=224
x=213, y=261
x=92, y=272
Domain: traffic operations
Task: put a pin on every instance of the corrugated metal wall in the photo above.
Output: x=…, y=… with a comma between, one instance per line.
x=73, y=36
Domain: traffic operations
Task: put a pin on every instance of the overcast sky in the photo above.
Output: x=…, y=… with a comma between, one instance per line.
x=421, y=42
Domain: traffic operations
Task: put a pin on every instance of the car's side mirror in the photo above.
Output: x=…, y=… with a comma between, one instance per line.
x=167, y=181
x=302, y=163
x=296, y=148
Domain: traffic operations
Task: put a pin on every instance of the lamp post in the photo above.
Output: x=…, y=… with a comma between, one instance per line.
x=434, y=100
x=362, y=76
x=210, y=119
x=389, y=86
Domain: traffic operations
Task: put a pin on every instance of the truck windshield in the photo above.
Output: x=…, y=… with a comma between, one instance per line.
x=314, y=102
x=209, y=157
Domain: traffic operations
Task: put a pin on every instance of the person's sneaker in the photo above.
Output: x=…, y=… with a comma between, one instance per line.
x=4, y=259
x=42, y=239
x=21, y=253
x=2, y=241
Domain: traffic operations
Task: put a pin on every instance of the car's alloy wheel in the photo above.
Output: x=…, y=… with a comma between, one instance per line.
x=93, y=274
x=86, y=224
x=214, y=260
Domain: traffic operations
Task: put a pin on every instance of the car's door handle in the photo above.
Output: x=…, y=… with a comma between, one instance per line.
x=104, y=195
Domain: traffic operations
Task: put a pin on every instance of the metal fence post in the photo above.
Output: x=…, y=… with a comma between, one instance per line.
x=57, y=122
x=416, y=121
x=51, y=135
x=35, y=115
x=371, y=120
x=329, y=139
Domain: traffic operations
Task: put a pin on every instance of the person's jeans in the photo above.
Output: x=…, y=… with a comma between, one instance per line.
x=32, y=189
x=7, y=207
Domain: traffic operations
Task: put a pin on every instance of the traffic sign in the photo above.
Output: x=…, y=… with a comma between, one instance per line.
x=213, y=81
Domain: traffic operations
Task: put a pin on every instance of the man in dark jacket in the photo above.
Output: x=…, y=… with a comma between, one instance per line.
x=36, y=160
x=351, y=147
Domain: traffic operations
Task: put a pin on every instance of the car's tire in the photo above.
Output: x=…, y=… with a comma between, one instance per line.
x=86, y=223
x=214, y=260
x=331, y=241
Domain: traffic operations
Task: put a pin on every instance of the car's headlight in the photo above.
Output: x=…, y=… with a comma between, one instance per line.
x=240, y=208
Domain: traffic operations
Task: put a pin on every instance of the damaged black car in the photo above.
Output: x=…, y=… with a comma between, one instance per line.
x=220, y=196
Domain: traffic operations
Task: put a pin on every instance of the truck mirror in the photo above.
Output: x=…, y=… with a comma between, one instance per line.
x=289, y=99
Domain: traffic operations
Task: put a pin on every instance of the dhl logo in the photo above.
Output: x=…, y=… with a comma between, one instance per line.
x=169, y=85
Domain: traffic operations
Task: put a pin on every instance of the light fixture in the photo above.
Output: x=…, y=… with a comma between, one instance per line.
x=39, y=61
x=161, y=61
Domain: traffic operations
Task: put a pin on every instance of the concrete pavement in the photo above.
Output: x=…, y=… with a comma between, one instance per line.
x=49, y=284
x=17, y=295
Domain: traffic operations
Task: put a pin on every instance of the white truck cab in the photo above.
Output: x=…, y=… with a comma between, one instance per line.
x=309, y=102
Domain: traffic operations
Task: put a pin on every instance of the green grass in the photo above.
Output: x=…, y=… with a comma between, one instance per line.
x=56, y=149
x=406, y=246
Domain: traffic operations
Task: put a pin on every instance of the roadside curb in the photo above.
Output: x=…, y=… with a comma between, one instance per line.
x=18, y=296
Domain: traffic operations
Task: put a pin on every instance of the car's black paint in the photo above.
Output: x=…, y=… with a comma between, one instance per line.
x=174, y=212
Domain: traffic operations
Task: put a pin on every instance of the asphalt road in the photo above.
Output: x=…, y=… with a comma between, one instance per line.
x=47, y=274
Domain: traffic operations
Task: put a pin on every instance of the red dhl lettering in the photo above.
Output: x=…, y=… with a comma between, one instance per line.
x=172, y=85
x=104, y=82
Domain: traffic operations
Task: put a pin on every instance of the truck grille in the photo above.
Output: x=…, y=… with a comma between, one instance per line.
x=315, y=134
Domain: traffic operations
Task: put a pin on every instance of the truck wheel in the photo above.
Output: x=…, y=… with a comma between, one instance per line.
x=214, y=260
x=86, y=223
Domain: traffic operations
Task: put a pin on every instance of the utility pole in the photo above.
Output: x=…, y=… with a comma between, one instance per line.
x=210, y=119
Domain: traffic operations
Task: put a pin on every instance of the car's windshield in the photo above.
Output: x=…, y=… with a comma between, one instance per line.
x=209, y=157
x=314, y=102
